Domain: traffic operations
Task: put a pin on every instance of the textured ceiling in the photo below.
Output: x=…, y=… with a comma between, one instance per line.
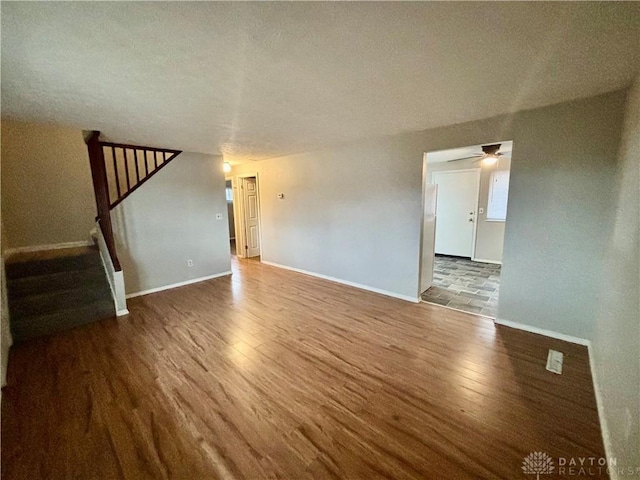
x=257, y=80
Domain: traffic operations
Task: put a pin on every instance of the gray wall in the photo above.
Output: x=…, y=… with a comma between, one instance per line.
x=562, y=176
x=171, y=219
x=353, y=212
x=489, y=235
x=616, y=338
x=47, y=193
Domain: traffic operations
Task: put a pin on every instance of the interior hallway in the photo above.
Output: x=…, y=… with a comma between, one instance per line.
x=270, y=373
x=465, y=285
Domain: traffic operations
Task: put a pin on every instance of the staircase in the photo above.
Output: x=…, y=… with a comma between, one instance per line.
x=56, y=290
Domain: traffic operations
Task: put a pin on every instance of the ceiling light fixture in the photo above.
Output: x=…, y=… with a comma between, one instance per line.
x=489, y=160
x=226, y=167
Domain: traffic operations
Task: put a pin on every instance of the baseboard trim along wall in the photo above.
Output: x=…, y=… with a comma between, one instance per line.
x=484, y=260
x=346, y=282
x=456, y=309
x=606, y=439
x=53, y=246
x=115, y=279
x=176, y=285
x=542, y=331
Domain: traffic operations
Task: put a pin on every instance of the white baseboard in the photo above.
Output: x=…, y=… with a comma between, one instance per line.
x=457, y=309
x=179, y=284
x=115, y=279
x=606, y=437
x=53, y=246
x=484, y=260
x=542, y=331
x=346, y=282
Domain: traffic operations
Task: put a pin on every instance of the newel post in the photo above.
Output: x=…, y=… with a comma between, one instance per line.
x=101, y=191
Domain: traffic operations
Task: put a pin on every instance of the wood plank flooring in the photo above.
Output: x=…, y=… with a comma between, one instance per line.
x=274, y=374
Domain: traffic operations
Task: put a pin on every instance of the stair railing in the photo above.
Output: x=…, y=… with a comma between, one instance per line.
x=118, y=170
x=101, y=191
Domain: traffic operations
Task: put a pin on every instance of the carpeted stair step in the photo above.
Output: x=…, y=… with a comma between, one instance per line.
x=55, y=282
x=66, y=319
x=50, y=302
x=56, y=290
x=29, y=268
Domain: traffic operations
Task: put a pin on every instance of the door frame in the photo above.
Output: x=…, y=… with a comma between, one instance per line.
x=239, y=212
x=478, y=172
x=422, y=203
x=233, y=203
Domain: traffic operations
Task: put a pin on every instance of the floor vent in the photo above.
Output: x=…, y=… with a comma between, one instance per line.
x=554, y=361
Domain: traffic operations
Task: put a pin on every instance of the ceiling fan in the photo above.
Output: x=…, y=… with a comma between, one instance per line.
x=490, y=155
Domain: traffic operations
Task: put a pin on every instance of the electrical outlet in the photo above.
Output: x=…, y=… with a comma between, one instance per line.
x=219, y=216
x=189, y=263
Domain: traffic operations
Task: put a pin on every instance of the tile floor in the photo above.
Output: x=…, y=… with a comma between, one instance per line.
x=465, y=285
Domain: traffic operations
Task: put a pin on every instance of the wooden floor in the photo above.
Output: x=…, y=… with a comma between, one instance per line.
x=274, y=374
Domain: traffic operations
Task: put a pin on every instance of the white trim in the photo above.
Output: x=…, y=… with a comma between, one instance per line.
x=456, y=309
x=484, y=260
x=122, y=312
x=179, y=284
x=345, y=282
x=53, y=246
x=542, y=331
x=115, y=279
x=6, y=340
x=606, y=437
x=237, y=206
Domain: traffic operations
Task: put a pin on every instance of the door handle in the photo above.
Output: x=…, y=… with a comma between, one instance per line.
x=471, y=219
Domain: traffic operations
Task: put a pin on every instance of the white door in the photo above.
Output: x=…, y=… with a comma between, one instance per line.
x=252, y=222
x=456, y=211
x=428, y=236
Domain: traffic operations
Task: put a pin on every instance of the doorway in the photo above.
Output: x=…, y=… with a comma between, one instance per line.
x=465, y=195
x=231, y=214
x=247, y=217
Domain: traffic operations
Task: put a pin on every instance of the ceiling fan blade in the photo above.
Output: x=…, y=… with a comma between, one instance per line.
x=464, y=158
